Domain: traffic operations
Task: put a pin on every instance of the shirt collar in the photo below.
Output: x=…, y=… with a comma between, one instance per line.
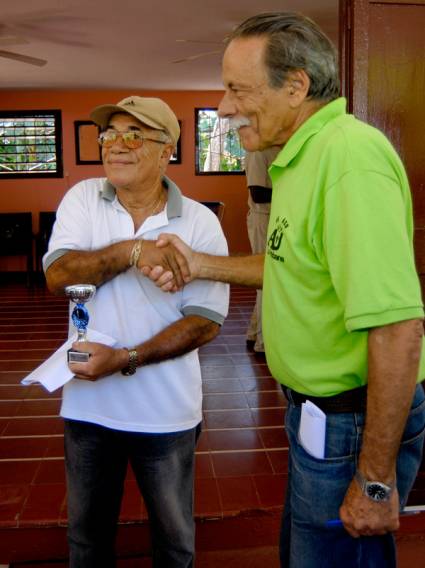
x=310, y=127
x=174, y=196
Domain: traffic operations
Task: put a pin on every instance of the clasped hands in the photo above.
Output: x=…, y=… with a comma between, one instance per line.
x=168, y=262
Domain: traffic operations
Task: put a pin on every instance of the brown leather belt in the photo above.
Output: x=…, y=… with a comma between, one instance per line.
x=348, y=401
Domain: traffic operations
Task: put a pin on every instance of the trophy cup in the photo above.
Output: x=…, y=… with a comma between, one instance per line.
x=80, y=294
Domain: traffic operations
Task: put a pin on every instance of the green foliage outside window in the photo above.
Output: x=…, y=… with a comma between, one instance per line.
x=218, y=148
x=30, y=144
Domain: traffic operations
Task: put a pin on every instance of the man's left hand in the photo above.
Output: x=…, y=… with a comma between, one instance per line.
x=363, y=517
x=103, y=360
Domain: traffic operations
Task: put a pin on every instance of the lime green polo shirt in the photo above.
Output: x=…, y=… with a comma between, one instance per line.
x=339, y=256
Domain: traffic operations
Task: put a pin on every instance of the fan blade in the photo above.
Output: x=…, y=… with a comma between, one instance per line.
x=198, y=56
x=23, y=58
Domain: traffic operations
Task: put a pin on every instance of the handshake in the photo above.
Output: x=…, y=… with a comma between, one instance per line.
x=171, y=264
x=168, y=261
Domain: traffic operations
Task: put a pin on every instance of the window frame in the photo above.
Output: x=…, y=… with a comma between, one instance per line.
x=176, y=157
x=39, y=113
x=80, y=160
x=210, y=173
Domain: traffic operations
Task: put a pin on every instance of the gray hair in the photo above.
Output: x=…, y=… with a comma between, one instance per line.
x=295, y=42
x=165, y=137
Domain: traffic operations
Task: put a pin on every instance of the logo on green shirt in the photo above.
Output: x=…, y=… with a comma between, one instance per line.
x=275, y=240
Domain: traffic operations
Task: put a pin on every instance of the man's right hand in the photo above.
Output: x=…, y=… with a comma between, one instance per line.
x=240, y=270
x=168, y=262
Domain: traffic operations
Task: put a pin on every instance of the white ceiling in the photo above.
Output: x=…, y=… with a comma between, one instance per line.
x=130, y=44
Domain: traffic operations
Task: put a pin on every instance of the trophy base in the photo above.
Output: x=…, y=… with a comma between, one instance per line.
x=77, y=356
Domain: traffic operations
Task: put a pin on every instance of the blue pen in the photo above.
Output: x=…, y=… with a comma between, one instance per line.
x=409, y=510
x=334, y=523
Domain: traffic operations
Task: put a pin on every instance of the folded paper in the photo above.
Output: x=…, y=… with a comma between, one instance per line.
x=312, y=432
x=54, y=372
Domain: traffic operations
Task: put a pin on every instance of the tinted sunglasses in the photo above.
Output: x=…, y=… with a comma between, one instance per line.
x=132, y=138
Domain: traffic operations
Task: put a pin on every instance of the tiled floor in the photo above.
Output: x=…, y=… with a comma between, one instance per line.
x=241, y=458
x=411, y=555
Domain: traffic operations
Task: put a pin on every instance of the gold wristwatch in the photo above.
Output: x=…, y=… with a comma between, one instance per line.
x=133, y=362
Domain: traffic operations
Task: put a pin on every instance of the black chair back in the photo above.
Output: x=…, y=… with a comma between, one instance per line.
x=216, y=207
x=46, y=220
x=16, y=238
x=15, y=234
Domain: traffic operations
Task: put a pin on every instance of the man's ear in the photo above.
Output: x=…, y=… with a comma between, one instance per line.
x=167, y=152
x=298, y=85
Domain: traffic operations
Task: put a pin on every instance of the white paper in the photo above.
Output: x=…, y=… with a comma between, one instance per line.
x=54, y=372
x=312, y=431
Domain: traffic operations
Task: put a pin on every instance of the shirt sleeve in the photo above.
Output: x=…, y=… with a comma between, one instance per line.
x=367, y=240
x=73, y=228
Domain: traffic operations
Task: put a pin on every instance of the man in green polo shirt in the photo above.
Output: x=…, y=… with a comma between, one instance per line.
x=342, y=308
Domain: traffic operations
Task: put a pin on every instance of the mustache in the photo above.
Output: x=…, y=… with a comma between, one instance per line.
x=238, y=121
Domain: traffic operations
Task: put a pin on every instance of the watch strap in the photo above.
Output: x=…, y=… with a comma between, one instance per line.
x=133, y=362
x=366, y=486
x=361, y=480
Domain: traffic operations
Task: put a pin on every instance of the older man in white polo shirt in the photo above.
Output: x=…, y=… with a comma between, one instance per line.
x=140, y=401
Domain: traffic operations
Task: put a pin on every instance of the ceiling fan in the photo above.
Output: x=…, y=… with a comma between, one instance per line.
x=202, y=53
x=11, y=40
x=39, y=25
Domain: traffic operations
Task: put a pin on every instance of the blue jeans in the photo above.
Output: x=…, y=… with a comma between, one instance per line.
x=96, y=464
x=316, y=489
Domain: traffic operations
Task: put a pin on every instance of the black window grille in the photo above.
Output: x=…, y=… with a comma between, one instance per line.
x=31, y=144
x=218, y=147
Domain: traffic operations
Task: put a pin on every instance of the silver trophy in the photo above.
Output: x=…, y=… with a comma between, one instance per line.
x=80, y=294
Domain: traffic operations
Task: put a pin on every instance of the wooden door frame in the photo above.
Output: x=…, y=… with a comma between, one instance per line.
x=354, y=39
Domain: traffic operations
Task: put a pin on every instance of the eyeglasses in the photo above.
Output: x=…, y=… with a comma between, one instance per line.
x=133, y=139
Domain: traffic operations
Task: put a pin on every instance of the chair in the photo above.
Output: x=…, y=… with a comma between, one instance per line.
x=216, y=207
x=46, y=220
x=16, y=238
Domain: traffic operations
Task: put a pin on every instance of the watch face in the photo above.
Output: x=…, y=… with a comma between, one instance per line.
x=378, y=491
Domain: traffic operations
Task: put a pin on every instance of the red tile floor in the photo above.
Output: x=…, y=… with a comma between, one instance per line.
x=241, y=458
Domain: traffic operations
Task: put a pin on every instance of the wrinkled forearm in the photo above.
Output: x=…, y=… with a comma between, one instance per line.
x=177, y=339
x=241, y=270
x=89, y=267
x=393, y=360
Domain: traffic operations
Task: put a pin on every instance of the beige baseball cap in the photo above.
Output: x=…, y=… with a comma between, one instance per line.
x=149, y=110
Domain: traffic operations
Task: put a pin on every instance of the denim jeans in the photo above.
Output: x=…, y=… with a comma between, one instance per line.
x=316, y=489
x=96, y=464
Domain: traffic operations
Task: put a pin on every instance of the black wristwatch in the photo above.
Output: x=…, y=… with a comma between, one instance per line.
x=375, y=490
x=133, y=362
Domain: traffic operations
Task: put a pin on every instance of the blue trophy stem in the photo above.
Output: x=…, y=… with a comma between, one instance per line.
x=80, y=318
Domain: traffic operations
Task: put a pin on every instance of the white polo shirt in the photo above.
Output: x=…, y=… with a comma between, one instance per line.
x=162, y=397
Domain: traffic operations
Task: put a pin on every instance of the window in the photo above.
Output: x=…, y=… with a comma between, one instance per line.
x=31, y=144
x=218, y=148
x=176, y=157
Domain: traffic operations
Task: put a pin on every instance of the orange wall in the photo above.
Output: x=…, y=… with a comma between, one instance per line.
x=45, y=194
